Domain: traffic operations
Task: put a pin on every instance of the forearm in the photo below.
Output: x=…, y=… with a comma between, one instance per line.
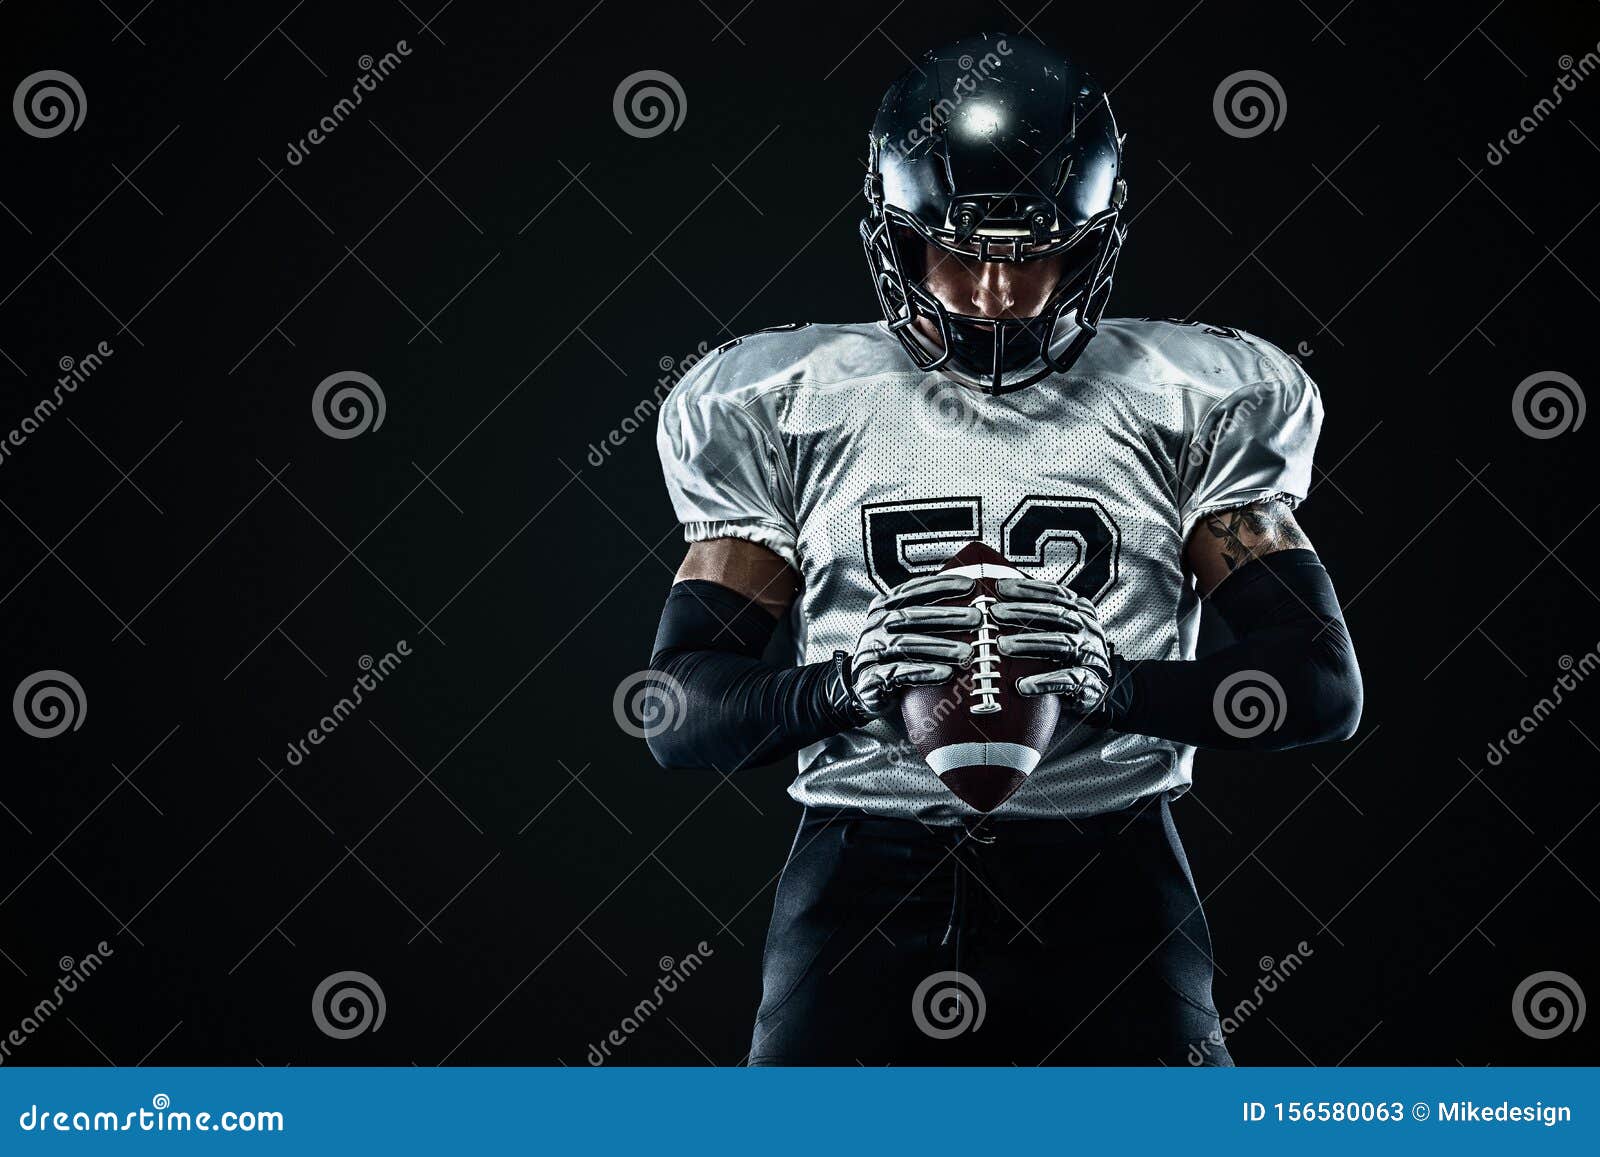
x=1290, y=679
x=737, y=709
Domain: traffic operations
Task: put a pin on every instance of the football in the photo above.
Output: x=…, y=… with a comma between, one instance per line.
x=977, y=732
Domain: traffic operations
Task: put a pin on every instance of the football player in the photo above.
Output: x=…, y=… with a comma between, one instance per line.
x=1140, y=472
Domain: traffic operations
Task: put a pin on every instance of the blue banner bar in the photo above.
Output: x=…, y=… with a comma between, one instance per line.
x=805, y=1112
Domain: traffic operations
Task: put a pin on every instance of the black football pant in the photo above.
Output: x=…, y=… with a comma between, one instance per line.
x=1005, y=942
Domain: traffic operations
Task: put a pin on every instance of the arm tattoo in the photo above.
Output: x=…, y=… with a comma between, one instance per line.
x=1253, y=530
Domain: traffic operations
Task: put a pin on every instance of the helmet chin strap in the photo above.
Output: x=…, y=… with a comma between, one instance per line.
x=985, y=354
x=992, y=351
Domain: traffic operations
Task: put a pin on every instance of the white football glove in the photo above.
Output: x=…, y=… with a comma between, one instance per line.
x=1060, y=627
x=894, y=651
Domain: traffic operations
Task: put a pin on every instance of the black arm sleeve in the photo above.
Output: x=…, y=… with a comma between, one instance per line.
x=739, y=710
x=1289, y=679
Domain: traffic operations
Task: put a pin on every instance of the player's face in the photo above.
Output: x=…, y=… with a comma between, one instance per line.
x=990, y=289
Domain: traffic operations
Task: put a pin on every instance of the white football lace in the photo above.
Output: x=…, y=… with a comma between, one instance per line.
x=986, y=661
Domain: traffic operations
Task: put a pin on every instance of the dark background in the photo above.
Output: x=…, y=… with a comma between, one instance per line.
x=482, y=838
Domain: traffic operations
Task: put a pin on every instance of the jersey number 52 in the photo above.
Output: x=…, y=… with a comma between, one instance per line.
x=903, y=539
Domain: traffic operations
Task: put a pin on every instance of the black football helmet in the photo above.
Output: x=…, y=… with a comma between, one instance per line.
x=995, y=148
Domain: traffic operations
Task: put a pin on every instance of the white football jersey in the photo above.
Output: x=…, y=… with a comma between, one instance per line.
x=826, y=445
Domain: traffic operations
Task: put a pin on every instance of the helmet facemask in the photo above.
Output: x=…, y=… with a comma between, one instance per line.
x=997, y=354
